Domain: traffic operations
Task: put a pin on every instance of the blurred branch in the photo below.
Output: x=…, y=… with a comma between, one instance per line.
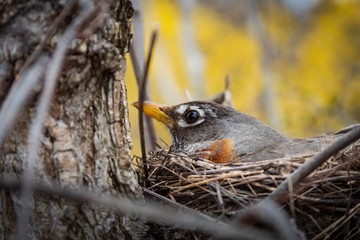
x=270, y=215
x=19, y=93
x=337, y=224
x=6, y=79
x=279, y=195
x=36, y=128
x=142, y=91
x=138, y=39
x=36, y=53
x=188, y=95
x=194, y=59
x=29, y=77
x=268, y=48
x=225, y=97
x=137, y=55
x=175, y=205
x=164, y=215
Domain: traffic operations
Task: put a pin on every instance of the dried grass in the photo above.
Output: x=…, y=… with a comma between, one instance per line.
x=325, y=205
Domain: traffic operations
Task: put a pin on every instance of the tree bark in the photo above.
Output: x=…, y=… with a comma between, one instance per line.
x=86, y=142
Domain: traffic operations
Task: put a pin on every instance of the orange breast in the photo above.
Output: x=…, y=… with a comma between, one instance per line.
x=220, y=151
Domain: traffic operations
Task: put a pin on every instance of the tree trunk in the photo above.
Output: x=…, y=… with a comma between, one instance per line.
x=86, y=142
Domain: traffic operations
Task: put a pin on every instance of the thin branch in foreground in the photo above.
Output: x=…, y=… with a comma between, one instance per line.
x=338, y=223
x=19, y=93
x=279, y=195
x=60, y=19
x=271, y=215
x=137, y=53
x=176, y=205
x=22, y=89
x=155, y=213
x=142, y=91
x=51, y=75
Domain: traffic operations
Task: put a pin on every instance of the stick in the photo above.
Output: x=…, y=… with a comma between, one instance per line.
x=137, y=53
x=142, y=91
x=42, y=108
x=164, y=215
x=36, y=53
x=270, y=214
x=309, y=166
x=19, y=93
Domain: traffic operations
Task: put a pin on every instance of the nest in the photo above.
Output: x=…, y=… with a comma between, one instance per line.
x=325, y=205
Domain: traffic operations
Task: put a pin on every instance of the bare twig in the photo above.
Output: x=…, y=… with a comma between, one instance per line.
x=188, y=95
x=176, y=205
x=137, y=55
x=22, y=89
x=19, y=93
x=36, y=53
x=6, y=78
x=42, y=107
x=326, y=192
x=337, y=224
x=137, y=51
x=142, y=90
x=272, y=216
x=167, y=216
x=224, y=97
x=194, y=59
x=309, y=166
x=208, y=180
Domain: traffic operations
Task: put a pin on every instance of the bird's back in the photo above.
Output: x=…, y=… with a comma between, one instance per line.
x=292, y=147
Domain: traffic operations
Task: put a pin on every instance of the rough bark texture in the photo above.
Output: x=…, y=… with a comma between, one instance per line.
x=86, y=140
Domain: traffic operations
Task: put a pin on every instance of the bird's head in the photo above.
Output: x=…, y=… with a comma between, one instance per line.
x=197, y=124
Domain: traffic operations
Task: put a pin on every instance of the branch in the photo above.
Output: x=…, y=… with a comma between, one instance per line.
x=137, y=53
x=60, y=19
x=270, y=215
x=279, y=195
x=19, y=93
x=164, y=215
x=142, y=91
x=53, y=69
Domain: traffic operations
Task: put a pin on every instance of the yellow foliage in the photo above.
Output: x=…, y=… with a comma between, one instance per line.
x=314, y=69
x=229, y=50
x=319, y=77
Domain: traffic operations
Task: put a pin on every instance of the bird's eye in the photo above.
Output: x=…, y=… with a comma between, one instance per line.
x=191, y=116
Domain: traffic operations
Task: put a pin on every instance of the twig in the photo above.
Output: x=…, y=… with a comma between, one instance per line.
x=6, y=76
x=42, y=107
x=291, y=198
x=137, y=53
x=208, y=180
x=19, y=93
x=309, y=166
x=330, y=190
x=219, y=196
x=152, y=212
x=142, y=90
x=338, y=223
x=271, y=215
x=347, y=227
x=149, y=124
x=36, y=53
x=177, y=205
x=188, y=95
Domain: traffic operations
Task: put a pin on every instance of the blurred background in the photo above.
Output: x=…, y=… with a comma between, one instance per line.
x=294, y=64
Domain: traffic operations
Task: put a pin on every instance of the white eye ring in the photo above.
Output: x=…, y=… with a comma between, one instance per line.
x=183, y=109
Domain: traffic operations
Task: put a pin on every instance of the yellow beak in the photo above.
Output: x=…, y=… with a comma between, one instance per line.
x=155, y=111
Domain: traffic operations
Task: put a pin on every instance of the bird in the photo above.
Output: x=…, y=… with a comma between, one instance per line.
x=223, y=134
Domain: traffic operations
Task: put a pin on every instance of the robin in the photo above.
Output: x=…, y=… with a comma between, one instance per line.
x=222, y=134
